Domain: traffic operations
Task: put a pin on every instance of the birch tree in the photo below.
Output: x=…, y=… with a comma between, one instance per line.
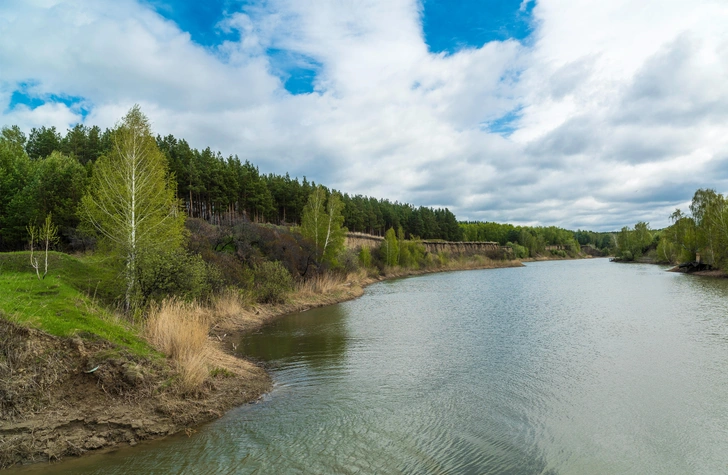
x=131, y=199
x=46, y=236
x=322, y=223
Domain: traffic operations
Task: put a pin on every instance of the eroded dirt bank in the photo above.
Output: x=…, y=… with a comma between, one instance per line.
x=64, y=397
x=51, y=406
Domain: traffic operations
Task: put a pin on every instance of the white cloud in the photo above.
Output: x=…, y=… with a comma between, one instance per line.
x=622, y=105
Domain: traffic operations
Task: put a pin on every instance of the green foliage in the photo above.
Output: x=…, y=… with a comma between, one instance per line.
x=52, y=185
x=322, y=224
x=174, y=272
x=633, y=243
x=667, y=251
x=272, y=282
x=704, y=233
x=42, y=142
x=519, y=252
x=365, y=257
x=131, y=199
x=389, y=249
x=15, y=167
x=535, y=240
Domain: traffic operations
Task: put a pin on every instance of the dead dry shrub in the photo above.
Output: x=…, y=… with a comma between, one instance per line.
x=180, y=329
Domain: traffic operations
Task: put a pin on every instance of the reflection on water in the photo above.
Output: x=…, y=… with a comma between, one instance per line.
x=316, y=337
x=556, y=368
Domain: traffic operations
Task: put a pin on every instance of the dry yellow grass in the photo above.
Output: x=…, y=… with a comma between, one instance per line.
x=227, y=304
x=180, y=330
x=321, y=284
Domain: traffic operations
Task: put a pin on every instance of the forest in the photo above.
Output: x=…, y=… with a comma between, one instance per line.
x=46, y=172
x=700, y=235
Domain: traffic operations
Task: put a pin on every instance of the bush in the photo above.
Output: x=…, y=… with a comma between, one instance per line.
x=173, y=273
x=348, y=261
x=519, y=252
x=272, y=282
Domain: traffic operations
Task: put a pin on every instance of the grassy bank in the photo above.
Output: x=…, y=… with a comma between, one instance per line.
x=68, y=301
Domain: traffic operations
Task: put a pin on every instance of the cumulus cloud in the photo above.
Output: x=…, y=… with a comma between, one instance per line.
x=618, y=109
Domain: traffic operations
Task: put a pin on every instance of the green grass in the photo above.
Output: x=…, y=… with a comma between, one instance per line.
x=71, y=300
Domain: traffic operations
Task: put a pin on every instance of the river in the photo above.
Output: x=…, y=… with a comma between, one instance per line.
x=560, y=367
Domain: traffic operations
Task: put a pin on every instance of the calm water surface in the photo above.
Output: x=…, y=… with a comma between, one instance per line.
x=571, y=367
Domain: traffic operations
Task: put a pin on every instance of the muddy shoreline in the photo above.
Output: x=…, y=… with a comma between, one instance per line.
x=54, y=404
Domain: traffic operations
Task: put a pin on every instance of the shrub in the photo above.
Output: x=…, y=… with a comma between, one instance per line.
x=348, y=261
x=172, y=273
x=272, y=282
x=519, y=252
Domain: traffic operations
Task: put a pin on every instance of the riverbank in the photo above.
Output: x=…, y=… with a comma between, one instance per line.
x=714, y=273
x=66, y=396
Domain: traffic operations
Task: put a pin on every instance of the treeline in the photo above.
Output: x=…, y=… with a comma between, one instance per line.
x=46, y=172
x=702, y=233
x=633, y=243
x=699, y=235
x=219, y=189
x=532, y=241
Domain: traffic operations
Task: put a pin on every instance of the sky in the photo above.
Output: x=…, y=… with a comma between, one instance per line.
x=583, y=114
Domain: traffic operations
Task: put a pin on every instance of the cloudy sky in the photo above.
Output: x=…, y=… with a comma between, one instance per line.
x=579, y=113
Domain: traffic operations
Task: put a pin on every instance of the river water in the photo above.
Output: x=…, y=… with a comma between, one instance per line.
x=561, y=367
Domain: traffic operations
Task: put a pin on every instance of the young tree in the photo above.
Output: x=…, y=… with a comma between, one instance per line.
x=131, y=199
x=390, y=248
x=45, y=235
x=322, y=223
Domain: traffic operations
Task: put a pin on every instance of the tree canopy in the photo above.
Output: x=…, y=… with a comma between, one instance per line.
x=131, y=199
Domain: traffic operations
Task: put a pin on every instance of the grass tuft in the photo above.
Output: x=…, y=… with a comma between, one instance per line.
x=180, y=329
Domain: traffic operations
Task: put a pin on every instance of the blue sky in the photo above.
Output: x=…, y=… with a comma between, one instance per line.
x=575, y=113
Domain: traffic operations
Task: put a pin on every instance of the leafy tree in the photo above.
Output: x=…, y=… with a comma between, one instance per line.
x=52, y=185
x=708, y=210
x=322, y=223
x=390, y=248
x=15, y=167
x=131, y=199
x=632, y=243
x=365, y=257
